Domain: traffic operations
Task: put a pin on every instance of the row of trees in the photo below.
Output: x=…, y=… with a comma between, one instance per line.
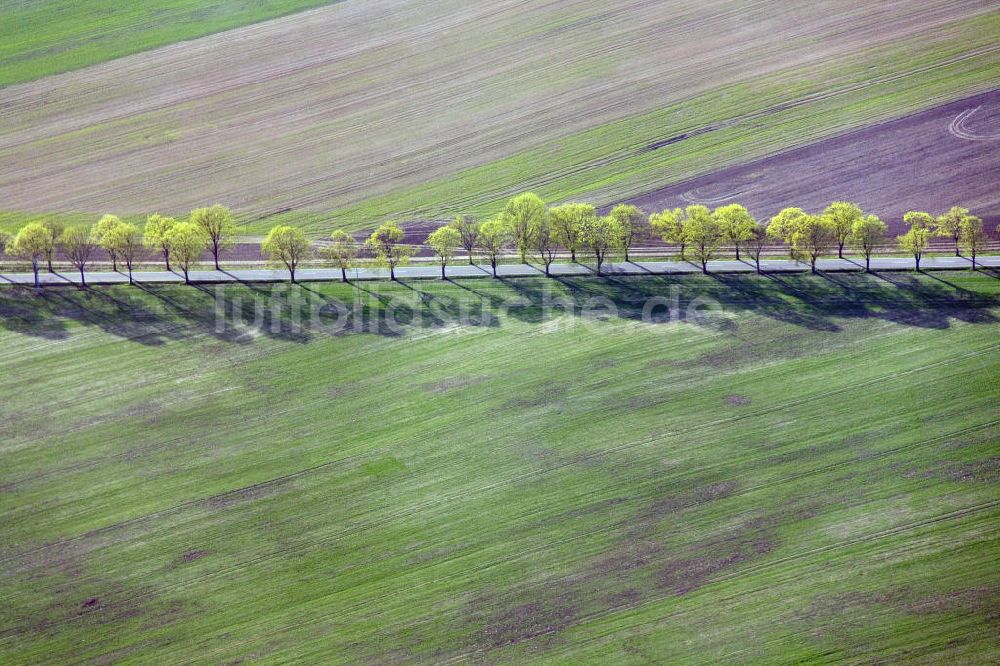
x=525, y=224
x=529, y=226
x=183, y=241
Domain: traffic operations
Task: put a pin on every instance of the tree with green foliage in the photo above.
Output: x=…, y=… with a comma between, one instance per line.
x=78, y=245
x=813, y=236
x=783, y=225
x=125, y=240
x=868, y=232
x=219, y=226
x=386, y=246
x=546, y=243
x=342, y=251
x=918, y=219
x=494, y=238
x=634, y=224
x=949, y=225
x=915, y=241
x=468, y=229
x=155, y=235
x=702, y=233
x=602, y=235
x=736, y=224
x=445, y=242
x=523, y=214
x=566, y=221
x=101, y=230
x=186, y=241
x=56, y=228
x=286, y=245
x=971, y=236
x=33, y=242
x=757, y=242
x=669, y=225
x=843, y=215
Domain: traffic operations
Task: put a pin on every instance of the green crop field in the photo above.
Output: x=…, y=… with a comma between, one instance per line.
x=45, y=37
x=806, y=472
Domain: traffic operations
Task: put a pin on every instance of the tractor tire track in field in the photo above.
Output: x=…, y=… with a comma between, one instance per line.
x=958, y=128
x=507, y=482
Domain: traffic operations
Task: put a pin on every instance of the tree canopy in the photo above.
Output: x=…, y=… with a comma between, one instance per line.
x=287, y=245
x=218, y=225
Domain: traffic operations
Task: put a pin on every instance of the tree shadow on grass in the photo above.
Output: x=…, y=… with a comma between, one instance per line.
x=154, y=314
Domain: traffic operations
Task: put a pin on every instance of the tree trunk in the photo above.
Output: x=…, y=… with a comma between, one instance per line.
x=547, y=264
x=600, y=261
x=572, y=256
x=392, y=272
x=957, y=253
x=166, y=258
x=840, y=251
x=917, y=257
x=114, y=263
x=813, y=264
x=83, y=280
x=34, y=266
x=49, y=260
x=704, y=266
x=868, y=263
x=186, y=280
x=343, y=274
x=291, y=273
x=757, y=260
x=215, y=253
x=442, y=273
x=973, y=261
x=130, y=274
x=524, y=258
x=470, y=257
x=737, y=252
x=626, y=257
x=493, y=263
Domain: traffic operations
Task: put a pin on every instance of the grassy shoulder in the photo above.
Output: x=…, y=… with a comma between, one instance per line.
x=43, y=38
x=809, y=471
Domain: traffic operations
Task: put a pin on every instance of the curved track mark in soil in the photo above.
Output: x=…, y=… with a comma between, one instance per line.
x=695, y=196
x=957, y=127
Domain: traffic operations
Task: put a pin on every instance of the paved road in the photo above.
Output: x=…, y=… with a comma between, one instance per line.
x=506, y=270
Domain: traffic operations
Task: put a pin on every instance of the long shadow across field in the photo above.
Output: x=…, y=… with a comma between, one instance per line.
x=155, y=314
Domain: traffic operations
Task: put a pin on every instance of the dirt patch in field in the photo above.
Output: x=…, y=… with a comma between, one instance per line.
x=545, y=395
x=511, y=625
x=455, y=383
x=702, y=495
x=913, y=163
x=984, y=600
x=684, y=575
x=737, y=400
x=985, y=471
x=191, y=556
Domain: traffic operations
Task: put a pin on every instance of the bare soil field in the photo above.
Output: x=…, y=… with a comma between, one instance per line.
x=330, y=107
x=932, y=160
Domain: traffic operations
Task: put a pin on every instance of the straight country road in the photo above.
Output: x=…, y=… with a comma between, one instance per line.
x=504, y=270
